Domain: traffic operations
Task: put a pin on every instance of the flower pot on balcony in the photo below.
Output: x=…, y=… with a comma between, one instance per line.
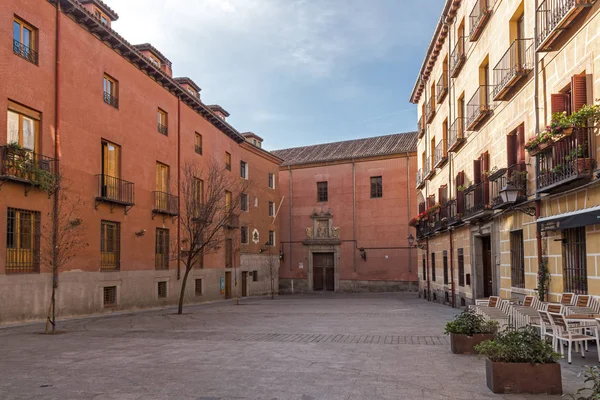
x=584, y=166
x=523, y=377
x=464, y=344
x=567, y=131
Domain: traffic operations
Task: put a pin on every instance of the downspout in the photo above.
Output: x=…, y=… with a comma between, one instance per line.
x=536, y=102
x=179, y=186
x=408, y=210
x=450, y=169
x=291, y=219
x=426, y=198
x=354, y=211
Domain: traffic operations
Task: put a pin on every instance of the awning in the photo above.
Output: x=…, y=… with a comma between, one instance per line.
x=571, y=219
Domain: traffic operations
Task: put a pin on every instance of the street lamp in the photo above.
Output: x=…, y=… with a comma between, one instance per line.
x=411, y=240
x=509, y=193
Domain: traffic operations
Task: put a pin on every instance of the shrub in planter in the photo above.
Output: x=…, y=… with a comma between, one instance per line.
x=468, y=330
x=519, y=361
x=591, y=374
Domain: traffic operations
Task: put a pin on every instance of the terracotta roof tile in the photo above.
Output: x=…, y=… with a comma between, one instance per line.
x=349, y=149
x=104, y=7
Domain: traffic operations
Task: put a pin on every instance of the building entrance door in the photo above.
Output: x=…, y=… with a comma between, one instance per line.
x=486, y=254
x=323, y=272
x=244, y=283
x=227, y=285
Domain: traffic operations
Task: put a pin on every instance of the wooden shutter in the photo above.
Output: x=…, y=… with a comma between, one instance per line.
x=485, y=166
x=559, y=102
x=578, y=92
x=520, y=151
x=477, y=171
x=421, y=207
x=460, y=180
x=511, y=149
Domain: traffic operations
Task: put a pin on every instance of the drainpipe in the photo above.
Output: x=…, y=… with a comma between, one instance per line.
x=536, y=102
x=408, y=209
x=179, y=186
x=450, y=165
x=354, y=211
x=291, y=220
x=57, y=166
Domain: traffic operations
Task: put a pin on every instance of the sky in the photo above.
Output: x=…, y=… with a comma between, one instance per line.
x=295, y=72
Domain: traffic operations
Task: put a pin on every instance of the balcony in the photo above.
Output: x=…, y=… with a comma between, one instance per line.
x=440, y=219
x=22, y=165
x=515, y=175
x=454, y=217
x=163, y=129
x=554, y=17
x=442, y=87
x=479, y=107
x=477, y=202
x=428, y=171
x=457, y=135
x=25, y=52
x=566, y=163
x=430, y=110
x=420, y=128
x=424, y=229
x=198, y=149
x=514, y=65
x=458, y=57
x=111, y=100
x=481, y=13
x=420, y=180
x=165, y=203
x=440, y=154
x=114, y=191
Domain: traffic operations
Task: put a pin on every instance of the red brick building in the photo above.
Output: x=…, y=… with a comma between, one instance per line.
x=110, y=115
x=345, y=213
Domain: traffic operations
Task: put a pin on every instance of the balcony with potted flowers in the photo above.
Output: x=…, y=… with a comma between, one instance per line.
x=508, y=186
x=453, y=215
x=477, y=204
x=553, y=19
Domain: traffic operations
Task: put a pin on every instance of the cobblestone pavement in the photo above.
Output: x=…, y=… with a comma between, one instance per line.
x=335, y=346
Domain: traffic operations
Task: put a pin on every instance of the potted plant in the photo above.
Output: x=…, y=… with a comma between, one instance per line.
x=586, y=116
x=519, y=361
x=468, y=330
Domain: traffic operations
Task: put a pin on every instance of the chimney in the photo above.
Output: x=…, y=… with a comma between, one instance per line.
x=101, y=11
x=220, y=111
x=189, y=86
x=155, y=57
x=253, y=138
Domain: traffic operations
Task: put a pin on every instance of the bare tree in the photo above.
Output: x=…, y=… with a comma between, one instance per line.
x=210, y=209
x=62, y=237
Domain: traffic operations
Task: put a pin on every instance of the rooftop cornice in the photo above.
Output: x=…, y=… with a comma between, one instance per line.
x=110, y=13
x=262, y=152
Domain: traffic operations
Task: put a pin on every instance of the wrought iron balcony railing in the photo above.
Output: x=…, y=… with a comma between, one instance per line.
x=479, y=107
x=515, y=175
x=111, y=100
x=430, y=110
x=440, y=218
x=165, y=203
x=23, y=165
x=458, y=57
x=420, y=127
x=114, y=190
x=457, y=134
x=420, y=180
x=424, y=228
x=23, y=51
x=441, y=153
x=477, y=201
x=554, y=17
x=479, y=17
x=515, y=64
x=161, y=261
x=566, y=163
x=442, y=87
x=198, y=149
x=454, y=217
x=427, y=169
x=163, y=129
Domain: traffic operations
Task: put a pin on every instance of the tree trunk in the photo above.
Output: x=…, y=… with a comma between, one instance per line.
x=181, y=295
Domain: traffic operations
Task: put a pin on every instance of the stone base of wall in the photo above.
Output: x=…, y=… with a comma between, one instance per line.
x=351, y=286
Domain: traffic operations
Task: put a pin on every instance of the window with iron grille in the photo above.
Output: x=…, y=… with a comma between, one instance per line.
x=433, y=267
x=376, y=186
x=198, y=287
x=228, y=253
x=228, y=161
x=162, y=290
x=198, y=144
x=110, y=296
x=244, y=169
x=322, y=194
x=272, y=181
x=574, y=261
x=25, y=40
x=271, y=241
x=445, y=264
x=424, y=268
x=111, y=86
x=110, y=233
x=244, y=235
x=161, y=255
x=199, y=260
x=22, y=241
x=254, y=276
x=162, y=118
x=461, y=267
x=244, y=202
x=271, y=209
x=517, y=259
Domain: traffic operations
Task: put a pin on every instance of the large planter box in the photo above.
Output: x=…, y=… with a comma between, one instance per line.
x=464, y=344
x=523, y=377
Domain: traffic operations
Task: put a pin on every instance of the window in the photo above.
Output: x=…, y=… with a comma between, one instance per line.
x=162, y=290
x=100, y=15
x=111, y=187
x=191, y=91
x=244, y=169
x=24, y=40
x=322, y=194
x=227, y=161
x=271, y=181
x=376, y=187
x=110, y=296
x=574, y=261
x=271, y=241
x=445, y=264
x=517, y=259
x=424, y=267
x=228, y=253
x=228, y=202
x=110, y=91
x=461, y=267
x=198, y=144
x=199, y=260
x=22, y=126
x=198, y=286
x=254, y=276
x=162, y=178
x=22, y=241
x=244, y=235
x=161, y=253
x=162, y=119
x=433, y=267
x=244, y=202
x=271, y=209
x=154, y=61
x=110, y=245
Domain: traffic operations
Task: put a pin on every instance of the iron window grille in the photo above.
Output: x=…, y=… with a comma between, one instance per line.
x=244, y=202
x=574, y=261
x=227, y=161
x=244, y=169
x=162, y=290
x=424, y=268
x=517, y=259
x=244, y=235
x=322, y=192
x=110, y=245
x=433, y=267
x=271, y=241
x=445, y=264
x=461, y=267
x=376, y=186
x=198, y=287
x=271, y=209
x=22, y=241
x=161, y=255
x=271, y=181
x=110, y=296
x=254, y=276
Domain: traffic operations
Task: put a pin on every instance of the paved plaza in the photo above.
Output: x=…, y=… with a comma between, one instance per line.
x=335, y=346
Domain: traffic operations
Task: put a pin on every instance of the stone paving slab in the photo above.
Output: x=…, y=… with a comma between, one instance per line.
x=367, y=346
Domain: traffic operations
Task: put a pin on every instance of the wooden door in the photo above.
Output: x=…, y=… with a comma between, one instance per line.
x=227, y=285
x=317, y=278
x=323, y=272
x=244, y=283
x=486, y=253
x=329, y=279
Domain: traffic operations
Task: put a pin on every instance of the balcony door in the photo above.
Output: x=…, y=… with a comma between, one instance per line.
x=162, y=186
x=111, y=170
x=520, y=61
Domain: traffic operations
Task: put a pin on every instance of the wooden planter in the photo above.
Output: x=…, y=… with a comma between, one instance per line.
x=584, y=165
x=464, y=344
x=523, y=377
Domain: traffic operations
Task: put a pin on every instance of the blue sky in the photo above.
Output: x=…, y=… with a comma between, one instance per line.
x=296, y=72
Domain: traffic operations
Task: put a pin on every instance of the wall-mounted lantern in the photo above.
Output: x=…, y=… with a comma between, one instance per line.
x=363, y=254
